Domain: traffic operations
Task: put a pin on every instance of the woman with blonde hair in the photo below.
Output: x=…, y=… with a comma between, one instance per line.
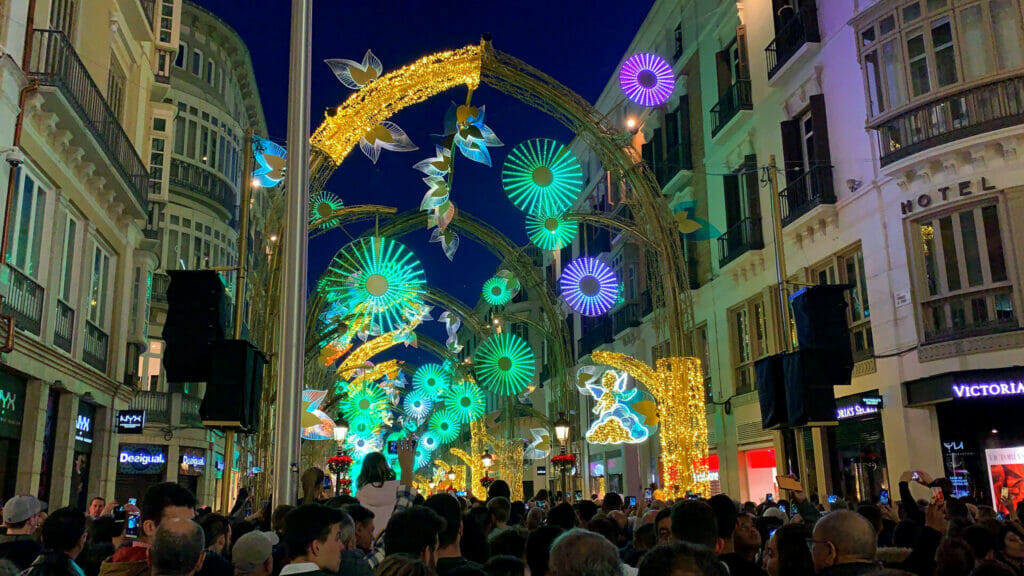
x=313, y=485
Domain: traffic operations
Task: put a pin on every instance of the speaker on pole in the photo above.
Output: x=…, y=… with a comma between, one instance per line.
x=771, y=392
x=823, y=333
x=806, y=403
x=232, y=399
x=196, y=316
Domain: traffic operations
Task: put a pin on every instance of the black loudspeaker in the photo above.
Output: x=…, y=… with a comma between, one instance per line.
x=196, y=316
x=232, y=399
x=820, y=316
x=771, y=392
x=806, y=404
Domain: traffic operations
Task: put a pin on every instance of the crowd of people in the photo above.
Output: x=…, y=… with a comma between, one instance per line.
x=389, y=530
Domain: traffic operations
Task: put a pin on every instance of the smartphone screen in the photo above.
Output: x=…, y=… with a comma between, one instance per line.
x=540, y=503
x=393, y=447
x=133, y=523
x=327, y=482
x=632, y=501
x=647, y=494
x=769, y=497
x=132, y=501
x=782, y=507
x=1004, y=492
x=883, y=498
x=832, y=498
x=578, y=494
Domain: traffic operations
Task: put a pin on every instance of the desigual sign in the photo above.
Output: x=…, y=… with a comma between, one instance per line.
x=141, y=459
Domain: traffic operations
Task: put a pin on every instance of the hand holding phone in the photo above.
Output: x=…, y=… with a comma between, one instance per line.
x=883, y=498
x=632, y=501
x=133, y=524
x=832, y=498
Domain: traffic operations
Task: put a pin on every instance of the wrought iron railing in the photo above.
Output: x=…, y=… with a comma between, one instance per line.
x=54, y=62
x=160, y=284
x=627, y=316
x=190, y=411
x=969, y=314
x=156, y=404
x=801, y=29
x=973, y=111
x=815, y=186
x=64, y=327
x=97, y=344
x=737, y=97
x=600, y=333
x=25, y=302
x=646, y=306
x=742, y=237
x=203, y=182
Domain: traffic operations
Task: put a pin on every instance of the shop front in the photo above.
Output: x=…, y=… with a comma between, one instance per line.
x=191, y=468
x=712, y=476
x=859, y=448
x=12, y=412
x=80, y=466
x=758, y=474
x=139, y=466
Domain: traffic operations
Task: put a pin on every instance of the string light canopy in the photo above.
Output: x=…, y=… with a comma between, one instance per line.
x=444, y=426
x=542, y=176
x=551, y=231
x=647, y=79
x=504, y=364
x=431, y=379
x=465, y=402
x=589, y=286
x=364, y=403
x=379, y=280
x=417, y=404
x=496, y=291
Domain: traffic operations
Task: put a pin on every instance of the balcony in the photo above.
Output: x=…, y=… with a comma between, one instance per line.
x=976, y=313
x=64, y=327
x=55, y=63
x=598, y=334
x=204, y=183
x=737, y=97
x=24, y=302
x=156, y=404
x=972, y=111
x=744, y=236
x=97, y=343
x=812, y=188
x=627, y=316
x=800, y=30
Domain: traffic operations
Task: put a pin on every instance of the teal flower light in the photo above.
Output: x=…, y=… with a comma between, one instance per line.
x=444, y=426
x=465, y=402
x=431, y=379
x=379, y=280
x=551, y=231
x=496, y=292
x=541, y=176
x=417, y=404
x=324, y=205
x=428, y=441
x=504, y=364
x=364, y=404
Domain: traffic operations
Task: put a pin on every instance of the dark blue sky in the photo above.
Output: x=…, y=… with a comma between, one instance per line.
x=580, y=43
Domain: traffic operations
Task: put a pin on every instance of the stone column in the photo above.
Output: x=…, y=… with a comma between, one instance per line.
x=33, y=428
x=103, y=465
x=64, y=451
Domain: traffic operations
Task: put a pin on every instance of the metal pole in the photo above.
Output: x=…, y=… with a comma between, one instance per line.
x=780, y=254
x=293, y=293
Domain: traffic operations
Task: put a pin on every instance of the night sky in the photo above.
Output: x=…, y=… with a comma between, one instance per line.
x=580, y=43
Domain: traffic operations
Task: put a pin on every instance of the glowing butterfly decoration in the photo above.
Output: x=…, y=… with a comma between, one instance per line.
x=417, y=404
x=540, y=446
x=551, y=231
x=452, y=323
x=364, y=404
x=432, y=379
x=472, y=136
x=647, y=79
x=449, y=240
x=385, y=136
x=616, y=422
x=444, y=426
x=356, y=75
x=380, y=281
x=465, y=402
x=322, y=206
x=589, y=286
x=316, y=424
x=541, y=176
x=690, y=225
x=504, y=364
x=270, y=162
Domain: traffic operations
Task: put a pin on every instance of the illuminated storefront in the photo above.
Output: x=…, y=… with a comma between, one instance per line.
x=82, y=459
x=758, y=474
x=139, y=466
x=12, y=410
x=860, y=447
x=191, y=468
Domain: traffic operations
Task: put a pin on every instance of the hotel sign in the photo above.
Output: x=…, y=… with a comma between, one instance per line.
x=989, y=389
x=960, y=190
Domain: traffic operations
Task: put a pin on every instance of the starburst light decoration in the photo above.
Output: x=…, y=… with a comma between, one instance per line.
x=431, y=379
x=379, y=280
x=551, y=231
x=444, y=426
x=417, y=404
x=428, y=441
x=465, y=402
x=322, y=206
x=504, y=364
x=496, y=292
x=542, y=176
x=364, y=404
x=360, y=446
x=589, y=286
x=647, y=79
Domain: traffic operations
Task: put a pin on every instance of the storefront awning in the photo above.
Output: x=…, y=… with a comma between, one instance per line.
x=994, y=382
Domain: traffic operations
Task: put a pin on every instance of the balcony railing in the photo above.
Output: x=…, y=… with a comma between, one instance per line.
x=973, y=111
x=156, y=404
x=600, y=333
x=737, y=97
x=813, y=187
x=627, y=316
x=64, y=327
x=190, y=411
x=976, y=313
x=96, y=345
x=203, y=182
x=646, y=306
x=160, y=284
x=801, y=29
x=55, y=63
x=744, y=236
x=25, y=302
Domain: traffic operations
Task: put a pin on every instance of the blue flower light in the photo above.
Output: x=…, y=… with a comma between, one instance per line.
x=589, y=286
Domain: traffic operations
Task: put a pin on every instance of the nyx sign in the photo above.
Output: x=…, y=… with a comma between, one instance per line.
x=131, y=421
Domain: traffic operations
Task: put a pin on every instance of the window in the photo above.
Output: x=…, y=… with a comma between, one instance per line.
x=677, y=40
x=749, y=329
x=116, y=82
x=166, y=20
x=964, y=282
x=210, y=71
x=68, y=260
x=702, y=351
x=197, y=62
x=179, y=60
x=99, y=287
x=159, y=124
x=25, y=236
x=179, y=134
x=848, y=268
x=156, y=160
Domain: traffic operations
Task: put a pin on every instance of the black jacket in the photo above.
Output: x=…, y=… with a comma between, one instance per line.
x=20, y=549
x=850, y=569
x=53, y=563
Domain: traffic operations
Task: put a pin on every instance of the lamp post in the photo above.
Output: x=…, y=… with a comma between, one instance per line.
x=451, y=479
x=340, y=432
x=487, y=460
x=562, y=434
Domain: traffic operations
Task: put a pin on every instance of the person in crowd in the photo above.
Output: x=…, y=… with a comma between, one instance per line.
x=500, y=509
x=162, y=502
x=612, y=501
x=563, y=516
x=504, y=565
x=403, y=565
x=217, y=533
x=745, y=544
x=499, y=489
x=582, y=553
x=663, y=524
x=538, y=549
x=177, y=547
x=509, y=541
x=449, y=541
x=97, y=506
x=380, y=493
x=313, y=486
x=353, y=559
x=23, y=515
x=415, y=532
x=473, y=544
x=253, y=554
x=277, y=524
x=843, y=544
x=313, y=539
x=680, y=559
x=104, y=538
x=363, y=519
x=954, y=558
x=1010, y=547
x=63, y=537
x=694, y=521
x=644, y=538
x=982, y=542
x=587, y=509
x=518, y=513
x=535, y=518
x=787, y=552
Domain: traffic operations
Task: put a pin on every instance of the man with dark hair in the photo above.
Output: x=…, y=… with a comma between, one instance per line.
x=663, y=525
x=362, y=518
x=500, y=509
x=96, y=506
x=538, y=549
x=695, y=522
x=563, y=516
x=680, y=558
x=612, y=501
x=499, y=489
x=162, y=502
x=587, y=509
x=217, y=533
x=64, y=534
x=449, y=552
x=313, y=539
x=746, y=543
x=22, y=516
x=177, y=548
x=415, y=532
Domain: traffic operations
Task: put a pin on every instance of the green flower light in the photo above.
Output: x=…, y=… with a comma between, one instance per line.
x=496, y=292
x=364, y=404
x=465, y=402
x=504, y=364
x=379, y=280
x=323, y=205
x=445, y=427
x=541, y=176
x=431, y=379
x=551, y=231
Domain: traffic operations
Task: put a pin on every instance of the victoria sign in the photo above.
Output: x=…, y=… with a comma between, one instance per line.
x=989, y=389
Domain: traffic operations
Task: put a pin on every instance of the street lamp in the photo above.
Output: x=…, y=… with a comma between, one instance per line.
x=340, y=432
x=487, y=459
x=451, y=476
x=562, y=430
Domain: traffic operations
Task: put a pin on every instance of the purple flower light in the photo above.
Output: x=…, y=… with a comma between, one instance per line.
x=589, y=286
x=647, y=79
